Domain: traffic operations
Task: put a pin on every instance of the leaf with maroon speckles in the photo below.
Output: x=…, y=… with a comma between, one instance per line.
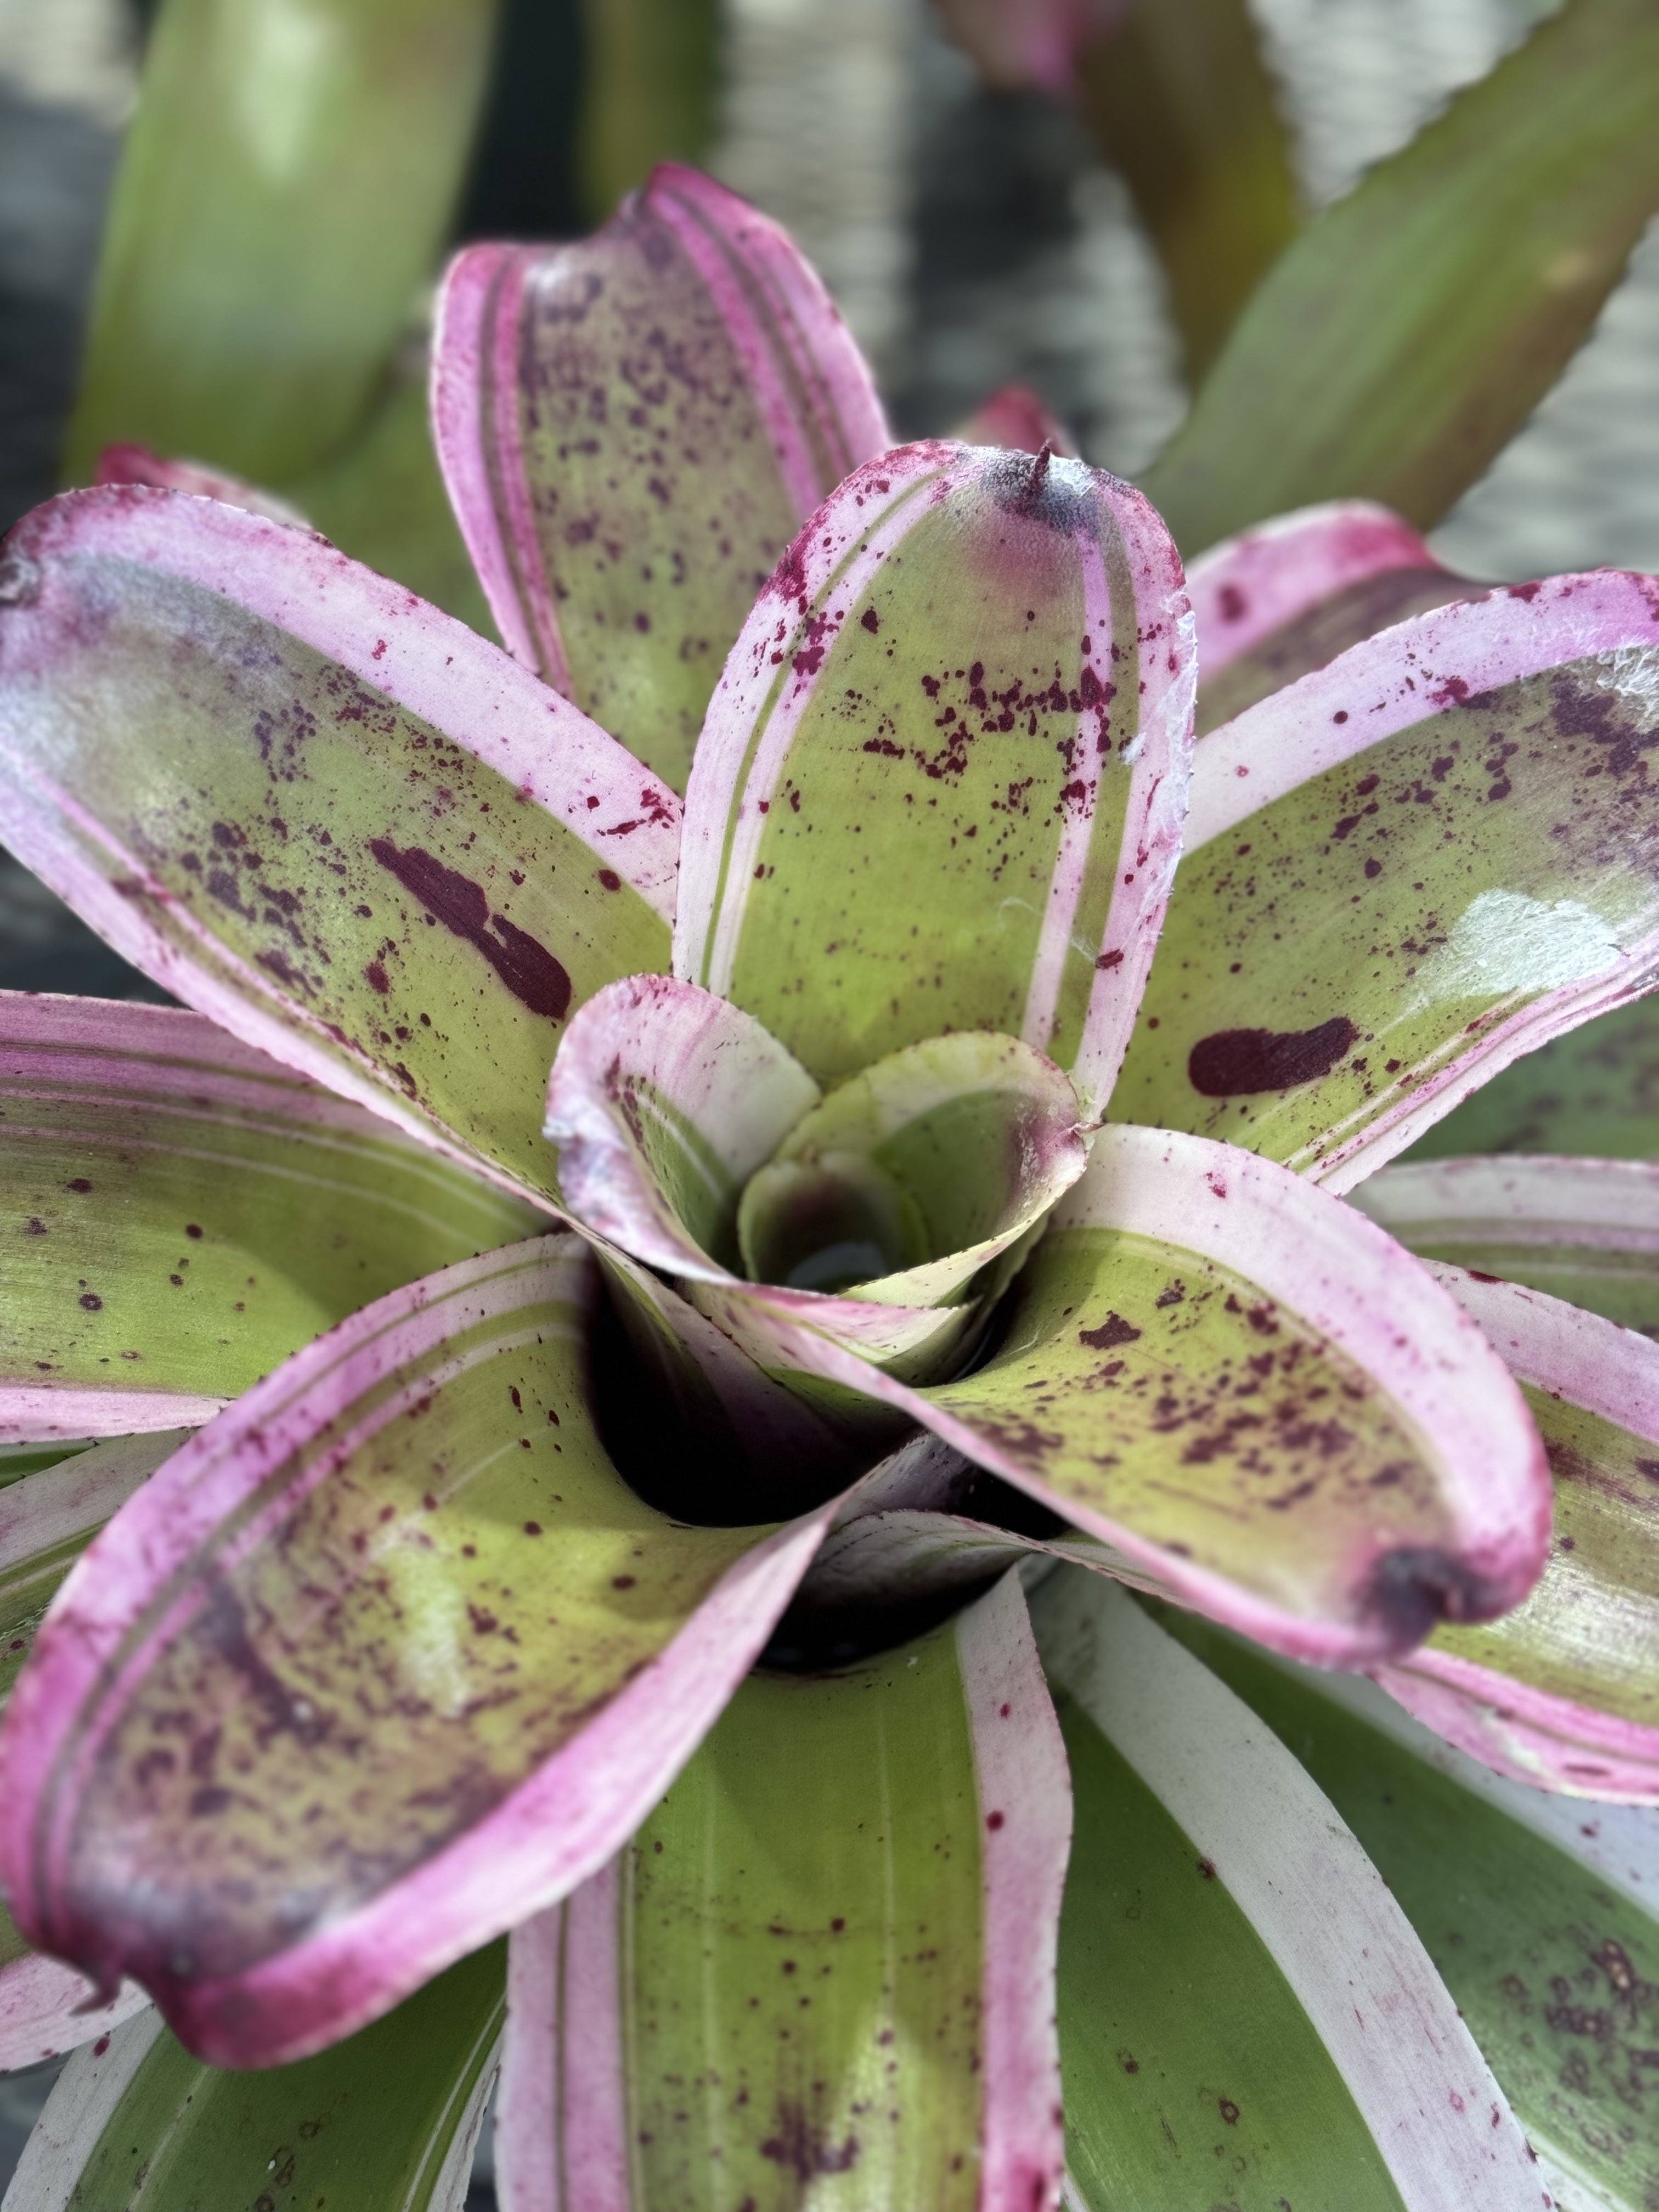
x=1537, y=1911
x=1411, y=866
x=1306, y=1438
x=382, y=1660
x=632, y=428
x=1279, y=601
x=321, y=811
x=178, y=1213
x=942, y=782
x=387, y=2122
x=839, y=1925
x=1332, y=2066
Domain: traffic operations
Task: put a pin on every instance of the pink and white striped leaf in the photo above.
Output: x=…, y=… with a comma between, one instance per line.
x=1585, y=1231
x=1276, y=602
x=942, y=781
x=181, y=1214
x=840, y=1924
x=1263, y=1403
x=137, y=465
x=1240, y=1992
x=1406, y=870
x=435, y=1661
x=1016, y=420
x=363, y=840
x=632, y=427
x=46, y=1520
x=1563, y=1692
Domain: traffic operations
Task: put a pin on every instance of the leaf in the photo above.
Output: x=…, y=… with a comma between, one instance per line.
x=650, y=93
x=1405, y=871
x=1015, y=419
x=1256, y=1398
x=286, y=183
x=1278, y=602
x=760, y=1938
x=1539, y=1919
x=1018, y=45
x=1563, y=1693
x=632, y=427
x=1236, y=1984
x=1404, y=338
x=385, y=2122
x=941, y=784
x=1595, y=1091
x=437, y=1660
x=363, y=840
x=1180, y=103
x=184, y=1213
x=46, y=1520
x=136, y=465
x=1585, y=1231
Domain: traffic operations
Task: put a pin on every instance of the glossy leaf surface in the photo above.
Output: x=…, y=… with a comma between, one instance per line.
x=632, y=428
x=1408, y=333
x=942, y=781
x=438, y=1661
x=363, y=839
x=823, y=1971
x=1258, y=1399
x=1239, y=1995
x=1410, y=867
x=1585, y=1231
x=184, y=1213
x=285, y=187
x=1275, y=603
x=1564, y=1692
x=1538, y=1913
x=384, y=2122
x=1594, y=1092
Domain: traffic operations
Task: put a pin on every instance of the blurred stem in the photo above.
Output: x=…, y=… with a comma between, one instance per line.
x=1407, y=334
x=1180, y=103
x=652, y=79
x=287, y=184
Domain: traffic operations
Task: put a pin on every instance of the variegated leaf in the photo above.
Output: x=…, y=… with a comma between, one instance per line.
x=1277, y=602
x=363, y=841
x=384, y=2123
x=1261, y=1401
x=1594, y=1090
x=435, y=1658
x=1539, y=1913
x=180, y=1213
x=822, y=1971
x=632, y=428
x=136, y=465
x=1241, y=1999
x=1413, y=866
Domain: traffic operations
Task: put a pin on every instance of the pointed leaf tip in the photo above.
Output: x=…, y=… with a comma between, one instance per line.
x=632, y=426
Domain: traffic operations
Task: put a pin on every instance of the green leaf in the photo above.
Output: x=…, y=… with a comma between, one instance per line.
x=941, y=784
x=365, y=841
x=650, y=82
x=822, y=1971
x=1408, y=333
x=285, y=187
x=384, y=2122
x=436, y=1661
x=1180, y=103
x=1585, y=1231
x=1594, y=1090
x=185, y=1214
x=1412, y=866
x=1538, y=1912
x=1241, y=2000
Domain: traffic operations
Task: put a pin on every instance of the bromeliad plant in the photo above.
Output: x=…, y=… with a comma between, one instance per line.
x=815, y=1291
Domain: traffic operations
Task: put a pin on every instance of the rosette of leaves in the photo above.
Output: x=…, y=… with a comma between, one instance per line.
x=709, y=1153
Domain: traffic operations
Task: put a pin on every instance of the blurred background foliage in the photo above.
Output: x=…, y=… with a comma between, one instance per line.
x=1253, y=253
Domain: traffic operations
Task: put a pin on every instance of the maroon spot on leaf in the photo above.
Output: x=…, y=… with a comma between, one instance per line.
x=1109, y=960
x=35, y=1226
x=994, y=1821
x=193, y=1229
x=529, y=970
x=1113, y=1330
x=1232, y=604
x=100, y=2046
x=1228, y=2110
x=622, y=1581
x=610, y=880
x=80, y=1183
x=375, y=974
x=1649, y=1468
x=1233, y=1062
x=1206, y=1868
x=870, y=620
x=532, y=1527
x=92, y=1302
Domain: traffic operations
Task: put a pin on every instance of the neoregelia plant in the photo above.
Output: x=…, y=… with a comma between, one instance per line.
x=892, y=1224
